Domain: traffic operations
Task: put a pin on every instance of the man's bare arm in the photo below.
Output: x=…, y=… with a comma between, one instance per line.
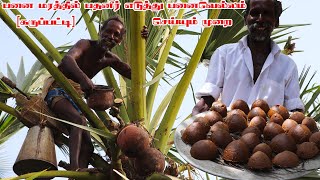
x=70, y=68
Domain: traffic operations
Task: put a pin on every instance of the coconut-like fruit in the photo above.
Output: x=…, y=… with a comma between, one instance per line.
x=283, y=111
x=196, y=131
x=277, y=118
x=236, y=122
x=310, y=123
x=221, y=138
x=261, y=104
x=210, y=153
x=236, y=152
x=297, y=116
x=286, y=159
x=263, y=147
x=257, y=111
x=259, y=161
x=220, y=108
x=259, y=122
x=283, y=142
x=288, y=124
x=252, y=129
x=251, y=140
x=240, y=104
x=219, y=126
x=213, y=117
x=315, y=137
x=150, y=161
x=237, y=111
x=300, y=133
x=133, y=140
x=203, y=120
x=307, y=150
x=271, y=130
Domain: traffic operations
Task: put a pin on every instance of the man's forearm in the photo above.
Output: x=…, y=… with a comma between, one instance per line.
x=70, y=69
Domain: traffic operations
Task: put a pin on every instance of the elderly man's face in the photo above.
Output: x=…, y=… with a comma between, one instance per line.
x=261, y=19
x=111, y=35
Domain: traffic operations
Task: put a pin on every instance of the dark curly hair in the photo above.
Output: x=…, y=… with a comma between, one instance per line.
x=115, y=18
x=277, y=10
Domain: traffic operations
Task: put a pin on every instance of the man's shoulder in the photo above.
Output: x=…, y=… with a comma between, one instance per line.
x=84, y=43
x=229, y=48
x=286, y=58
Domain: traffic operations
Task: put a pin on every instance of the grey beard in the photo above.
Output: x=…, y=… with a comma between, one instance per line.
x=261, y=36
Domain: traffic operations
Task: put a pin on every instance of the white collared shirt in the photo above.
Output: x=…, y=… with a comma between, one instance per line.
x=230, y=75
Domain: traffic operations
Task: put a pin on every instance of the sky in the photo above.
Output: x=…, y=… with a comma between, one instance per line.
x=12, y=50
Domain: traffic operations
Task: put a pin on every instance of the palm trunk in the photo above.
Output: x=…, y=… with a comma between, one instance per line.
x=138, y=65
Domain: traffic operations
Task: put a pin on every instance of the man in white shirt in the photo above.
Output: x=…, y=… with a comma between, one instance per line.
x=254, y=68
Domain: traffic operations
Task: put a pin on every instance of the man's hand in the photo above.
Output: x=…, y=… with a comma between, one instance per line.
x=87, y=86
x=145, y=32
x=200, y=107
x=203, y=105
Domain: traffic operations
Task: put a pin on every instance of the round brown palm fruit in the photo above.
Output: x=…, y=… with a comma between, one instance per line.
x=257, y=111
x=150, y=161
x=271, y=130
x=251, y=140
x=297, y=116
x=221, y=138
x=240, y=104
x=310, y=123
x=213, y=117
x=315, y=137
x=236, y=152
x=259, y=122
x=219, y=126
x=220, y=108
x=252, y=129
x=237, y=111
x=277, y=118
x=307, y=150
x=263, y=147
x=133, y=140
x=196, y=131
x=283, y=111
x=236, y=122
x=300, y=133
x=262, y=104
x=283, y=142
x=288, y=124
x=203, y=120
x=259, y=161
x=210, y=153
x=286, y=159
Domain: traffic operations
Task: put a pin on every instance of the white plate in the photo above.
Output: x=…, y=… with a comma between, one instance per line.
x=231, y=172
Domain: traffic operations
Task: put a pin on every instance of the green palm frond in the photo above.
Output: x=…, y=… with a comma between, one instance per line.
x=310, y=93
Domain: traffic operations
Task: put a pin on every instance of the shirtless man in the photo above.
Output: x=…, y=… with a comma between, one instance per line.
x=254, y=68
x=83, y=61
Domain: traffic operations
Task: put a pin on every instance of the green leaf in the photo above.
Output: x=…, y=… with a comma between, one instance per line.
x=154, y=80
x=21, y=74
